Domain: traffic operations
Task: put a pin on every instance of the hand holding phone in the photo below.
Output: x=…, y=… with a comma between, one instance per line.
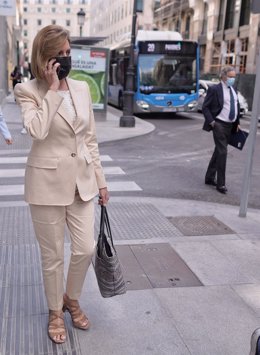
x=51, y=75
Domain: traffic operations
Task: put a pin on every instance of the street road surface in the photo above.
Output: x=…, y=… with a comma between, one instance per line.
x=171, y=161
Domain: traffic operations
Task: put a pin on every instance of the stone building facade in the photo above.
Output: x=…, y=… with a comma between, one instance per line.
x=37, y=14
x=228, y=33
x=10, y=44
x=115, y=19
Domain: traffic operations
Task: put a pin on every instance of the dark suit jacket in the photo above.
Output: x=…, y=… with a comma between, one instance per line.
x=213, y=105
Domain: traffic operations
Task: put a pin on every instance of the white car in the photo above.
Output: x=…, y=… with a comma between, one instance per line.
x=203, y=88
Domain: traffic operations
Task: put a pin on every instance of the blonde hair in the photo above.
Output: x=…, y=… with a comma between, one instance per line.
x=45, y=45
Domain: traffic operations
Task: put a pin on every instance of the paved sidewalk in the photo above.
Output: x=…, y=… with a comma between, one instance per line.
x=163, y=312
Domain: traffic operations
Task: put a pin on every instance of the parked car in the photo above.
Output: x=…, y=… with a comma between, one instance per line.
x=203, y=88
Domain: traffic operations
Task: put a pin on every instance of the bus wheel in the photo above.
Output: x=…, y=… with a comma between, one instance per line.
x=120, y=101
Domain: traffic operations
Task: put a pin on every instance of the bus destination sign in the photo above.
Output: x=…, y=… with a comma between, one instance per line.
x=172, y=47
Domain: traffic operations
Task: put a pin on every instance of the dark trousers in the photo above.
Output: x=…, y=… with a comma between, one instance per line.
x=217, y=164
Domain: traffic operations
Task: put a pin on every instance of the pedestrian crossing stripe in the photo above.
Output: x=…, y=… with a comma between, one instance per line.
x=18, y=190
x=113, y=186
x=23, y=160
x=11, y=173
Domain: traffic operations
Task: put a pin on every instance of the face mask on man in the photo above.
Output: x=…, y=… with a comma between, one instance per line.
x=230, y=81
x=64, y=68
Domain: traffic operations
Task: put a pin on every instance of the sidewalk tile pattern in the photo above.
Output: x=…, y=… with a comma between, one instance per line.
x=137, y=221
x=23, y=309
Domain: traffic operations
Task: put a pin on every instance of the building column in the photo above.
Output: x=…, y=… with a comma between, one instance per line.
x=3, y=59
x=213, y=10
x=253, y=43
x=198, y=6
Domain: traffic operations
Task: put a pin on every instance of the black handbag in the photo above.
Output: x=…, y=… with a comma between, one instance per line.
x=107, y=265
x=238, y=139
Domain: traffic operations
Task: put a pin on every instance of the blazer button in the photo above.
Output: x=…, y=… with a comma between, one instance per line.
x=73, y=155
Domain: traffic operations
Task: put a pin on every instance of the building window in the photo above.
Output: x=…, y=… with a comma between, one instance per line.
x=244, y=13
x=130, y=7
x=178, y=25
x=230, y=14
x=221, y=14
x=25, y=45
x=53, y=9
x=202, y=57
x=216, y=56
x=243, y=55
x=53, y=1
x=187, y=28
x=25, y=1
x=205, y=19
x=39, y=9
x=25, y=22
x=243, y=60
x=244, y=44
x=25, y=9
x=125, y=8
x=83, y=2
x=230, y=55
x=25, y=33
x=39, y=22
x=67, y=22
x=68, y=10
x=215, y=66
x=53, y=22
x=68, y=2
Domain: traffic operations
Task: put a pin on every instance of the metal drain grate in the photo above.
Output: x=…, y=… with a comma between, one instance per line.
x=200, y=226
x=137, y=221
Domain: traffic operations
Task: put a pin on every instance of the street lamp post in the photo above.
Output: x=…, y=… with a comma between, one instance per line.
x=128, y=120
x=81, y=20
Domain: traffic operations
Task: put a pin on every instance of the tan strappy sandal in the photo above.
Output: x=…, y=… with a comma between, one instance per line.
x=79, y=319
x=56, y=327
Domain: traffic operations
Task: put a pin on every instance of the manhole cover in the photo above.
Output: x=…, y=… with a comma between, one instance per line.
x=200, y=225
x=155, y=265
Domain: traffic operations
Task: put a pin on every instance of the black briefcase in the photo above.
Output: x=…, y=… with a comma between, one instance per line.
x=238, y=139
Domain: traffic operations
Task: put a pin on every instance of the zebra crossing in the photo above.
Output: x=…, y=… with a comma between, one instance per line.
x=12, y=171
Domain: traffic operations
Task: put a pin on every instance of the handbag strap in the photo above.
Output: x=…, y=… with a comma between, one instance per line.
x=102, y=220
x=107, y=223
x=104, y=223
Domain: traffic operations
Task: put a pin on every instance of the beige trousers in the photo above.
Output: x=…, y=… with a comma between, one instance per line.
x=49, y=225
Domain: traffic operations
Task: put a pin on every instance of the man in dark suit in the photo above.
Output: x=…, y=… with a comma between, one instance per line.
x=221, y=112
x=255, y=343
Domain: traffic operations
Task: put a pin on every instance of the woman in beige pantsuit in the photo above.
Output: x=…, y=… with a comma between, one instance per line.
x=63, y=173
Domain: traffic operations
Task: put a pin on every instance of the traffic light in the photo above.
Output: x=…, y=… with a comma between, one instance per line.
x=255, y=6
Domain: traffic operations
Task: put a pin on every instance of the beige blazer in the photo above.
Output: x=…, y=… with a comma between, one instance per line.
x=64, y=154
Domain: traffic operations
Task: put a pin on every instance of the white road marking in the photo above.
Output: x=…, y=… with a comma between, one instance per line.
x=11, y=190
x=10, y=173
x=5, y=173
x=23, y=160
x=113, y=170
x=13, y=160
x=113, y=186
x=123, y=186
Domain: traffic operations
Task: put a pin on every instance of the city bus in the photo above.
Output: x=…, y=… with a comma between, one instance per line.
x=166, y=72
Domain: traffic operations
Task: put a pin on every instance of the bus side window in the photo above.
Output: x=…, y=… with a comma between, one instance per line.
x=120, y=72
x=113, y=73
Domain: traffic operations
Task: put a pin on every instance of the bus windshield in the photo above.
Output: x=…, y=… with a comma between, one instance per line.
x=163, y=73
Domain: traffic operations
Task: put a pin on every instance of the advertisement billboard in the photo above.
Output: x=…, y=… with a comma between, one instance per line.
x=90, y=64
